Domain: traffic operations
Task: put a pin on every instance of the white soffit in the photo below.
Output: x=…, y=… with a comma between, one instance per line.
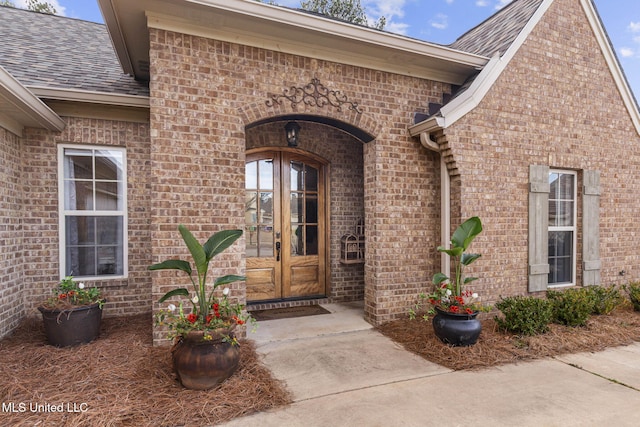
x=286, y=30
x=19, y=108
x=90, y=97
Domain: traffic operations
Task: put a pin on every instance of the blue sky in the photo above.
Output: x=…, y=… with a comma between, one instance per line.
x=442, y=21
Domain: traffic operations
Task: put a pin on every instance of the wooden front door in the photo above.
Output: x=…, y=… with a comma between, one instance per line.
x=285, y=226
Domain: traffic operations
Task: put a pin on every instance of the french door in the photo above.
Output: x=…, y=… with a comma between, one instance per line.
x=285, y=226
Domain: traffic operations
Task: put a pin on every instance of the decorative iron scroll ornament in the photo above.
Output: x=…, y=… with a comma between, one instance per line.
x=314, y=94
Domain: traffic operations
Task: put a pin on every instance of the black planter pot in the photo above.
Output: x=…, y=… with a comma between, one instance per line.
x=456, y=329
x=77, y=325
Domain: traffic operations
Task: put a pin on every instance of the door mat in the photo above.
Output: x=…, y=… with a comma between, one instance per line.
x=287, y=312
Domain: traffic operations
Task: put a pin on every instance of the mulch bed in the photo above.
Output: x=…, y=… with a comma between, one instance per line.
x=120, y=380
x=494, y=347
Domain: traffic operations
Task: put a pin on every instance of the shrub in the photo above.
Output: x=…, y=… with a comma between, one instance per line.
x=633, y=289
x=571, y=307
x=524, y=315
x=604, y=299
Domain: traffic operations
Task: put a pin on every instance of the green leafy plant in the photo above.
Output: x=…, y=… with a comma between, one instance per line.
x=524, y=315
x=449, y=294
x=211, y=310
x=571, y=307
x=604, y=299
x=69, y=294
x=633, y=290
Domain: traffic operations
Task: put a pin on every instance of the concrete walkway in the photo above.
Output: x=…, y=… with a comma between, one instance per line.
x=341, y=372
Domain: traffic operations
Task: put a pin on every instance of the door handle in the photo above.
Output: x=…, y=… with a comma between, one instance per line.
x=277, y=251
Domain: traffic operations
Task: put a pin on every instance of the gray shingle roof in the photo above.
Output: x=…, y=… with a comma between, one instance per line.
x=499, y=31
x=57, y=52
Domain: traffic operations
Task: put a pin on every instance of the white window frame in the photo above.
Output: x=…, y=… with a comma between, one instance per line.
x=63, y=213
x=573, y=228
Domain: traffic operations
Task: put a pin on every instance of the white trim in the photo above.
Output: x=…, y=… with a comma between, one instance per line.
x=283, y=30
x=24, y=108
x=62, y=212
x=573, y=228
x=470, y=99
x=92, y=97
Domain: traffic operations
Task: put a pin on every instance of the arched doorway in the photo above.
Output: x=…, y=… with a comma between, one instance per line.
x=286, y=225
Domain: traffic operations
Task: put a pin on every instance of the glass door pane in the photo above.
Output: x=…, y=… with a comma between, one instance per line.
x=304, y=209
x=259, y=208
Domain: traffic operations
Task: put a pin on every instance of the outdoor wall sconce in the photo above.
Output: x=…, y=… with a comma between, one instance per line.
x=292, y=130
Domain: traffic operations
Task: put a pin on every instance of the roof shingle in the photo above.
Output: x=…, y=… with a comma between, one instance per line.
x=56, y=52
x=498, y=31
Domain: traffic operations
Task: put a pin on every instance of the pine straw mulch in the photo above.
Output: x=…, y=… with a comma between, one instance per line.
x=122, y=380
x=494, y=347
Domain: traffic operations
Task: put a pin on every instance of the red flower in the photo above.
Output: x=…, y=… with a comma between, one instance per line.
x=238, y=321
x=453, y=309
x=192, y=317
x=460, y=300
x=62, y=296
x=469, y=311
x=216, y=306
x=209, y=318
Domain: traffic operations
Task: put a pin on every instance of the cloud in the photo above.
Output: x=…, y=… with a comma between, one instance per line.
x=502, y=3
x=449, y=1
x=397, y=28
x=482, y=3
x=60, y=10
x=626, y=52
x=634, y=27
x=441, y=22
x=387, y=8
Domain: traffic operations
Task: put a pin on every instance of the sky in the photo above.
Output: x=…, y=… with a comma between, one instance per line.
x=442, y=21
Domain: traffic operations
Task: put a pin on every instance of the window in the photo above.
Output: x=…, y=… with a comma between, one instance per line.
x=553, y=229
x=562, y=227
x=93, y=205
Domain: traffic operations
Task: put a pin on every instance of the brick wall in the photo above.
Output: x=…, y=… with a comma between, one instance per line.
x=203, y=94
x=40, y=212
x=557, y=105
x=11, y=236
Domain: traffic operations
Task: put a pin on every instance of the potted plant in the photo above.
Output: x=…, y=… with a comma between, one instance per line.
x=205, y=351
x=455, y=307
x=73, y=314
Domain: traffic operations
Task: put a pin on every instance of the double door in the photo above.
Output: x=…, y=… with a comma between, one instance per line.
x=285, y=226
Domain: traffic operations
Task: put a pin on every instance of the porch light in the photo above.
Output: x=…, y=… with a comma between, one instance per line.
x=292, y=129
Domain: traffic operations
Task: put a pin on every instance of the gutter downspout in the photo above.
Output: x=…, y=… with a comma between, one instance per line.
x=445, y=201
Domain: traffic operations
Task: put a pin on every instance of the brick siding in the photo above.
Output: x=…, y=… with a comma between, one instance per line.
x=555, y=104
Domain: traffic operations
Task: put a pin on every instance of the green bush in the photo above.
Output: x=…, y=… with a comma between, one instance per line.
x=571, y=307
x=633, y=289
x=524, y=315
x=604, y=299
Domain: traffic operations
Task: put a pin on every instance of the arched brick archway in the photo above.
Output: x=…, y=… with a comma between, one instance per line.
x=313, y=102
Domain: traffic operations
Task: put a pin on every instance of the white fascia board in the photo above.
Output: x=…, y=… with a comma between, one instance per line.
x=326, y=25
x=612, y=62
x=469, y=99
x=91, y=97
x=24, y=107
x=337, y=42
